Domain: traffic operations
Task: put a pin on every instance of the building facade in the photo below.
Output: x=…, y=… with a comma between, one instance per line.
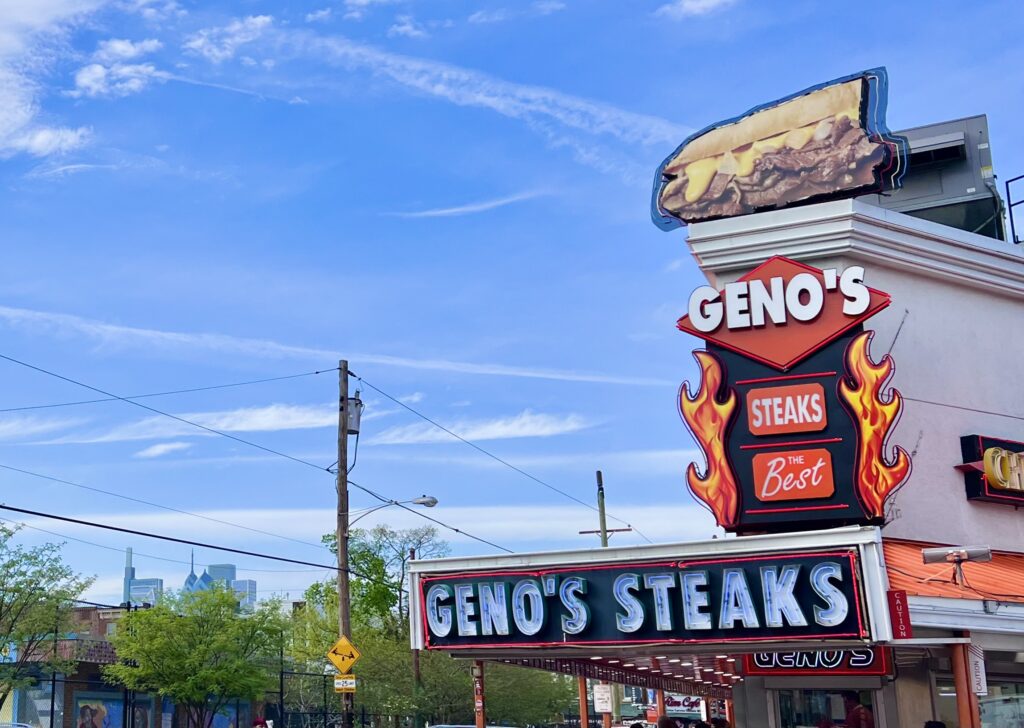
x=957, y=297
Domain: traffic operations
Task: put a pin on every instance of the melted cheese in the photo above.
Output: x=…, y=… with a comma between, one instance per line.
x=741, y=164
x=700, y=174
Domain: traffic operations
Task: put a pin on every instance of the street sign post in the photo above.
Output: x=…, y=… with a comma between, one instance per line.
x=343, y=655
x=344, y=683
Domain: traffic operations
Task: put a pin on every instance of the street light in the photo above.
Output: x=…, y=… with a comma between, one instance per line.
x=427, y=501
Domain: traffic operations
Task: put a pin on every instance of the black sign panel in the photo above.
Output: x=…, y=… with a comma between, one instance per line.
x=772, y=494
x=993, y=469
x=789, y=597
x=862, y=661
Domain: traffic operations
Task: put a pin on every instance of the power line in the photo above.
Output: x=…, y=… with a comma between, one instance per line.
x=963, y=408
x=157, y=505
x=152, y=556
x=241, y=440
x=169, y=392
x=392, y=502
x=154, y=410
x=189, y=542
x=496, y=458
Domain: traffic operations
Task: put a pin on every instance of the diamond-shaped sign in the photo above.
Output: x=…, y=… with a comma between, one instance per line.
x=782, y=345
x=344, y=655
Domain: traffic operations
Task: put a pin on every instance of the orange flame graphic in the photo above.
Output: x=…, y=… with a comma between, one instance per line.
x=708, y=417
x=877, y=475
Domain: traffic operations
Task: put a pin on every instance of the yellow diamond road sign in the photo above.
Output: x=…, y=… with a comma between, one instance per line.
x=344, y=655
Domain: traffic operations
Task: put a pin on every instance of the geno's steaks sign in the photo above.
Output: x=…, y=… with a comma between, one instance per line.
x=782, y=597
x=792, y=414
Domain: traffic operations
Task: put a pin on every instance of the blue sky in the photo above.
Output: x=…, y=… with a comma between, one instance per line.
x=451, y=194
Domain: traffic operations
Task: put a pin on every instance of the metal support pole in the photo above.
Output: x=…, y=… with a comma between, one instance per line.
x=280, y=699
x=479, y=699
x=584, y=708
x=958, y=656
x=659, y=701
x=417, y=677
x=341, y=534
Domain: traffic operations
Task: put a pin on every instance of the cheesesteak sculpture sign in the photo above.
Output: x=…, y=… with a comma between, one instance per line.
x=824, y=143
x=792, y=414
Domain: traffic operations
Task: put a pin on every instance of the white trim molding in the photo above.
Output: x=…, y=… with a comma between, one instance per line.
x=856, y=230
x=976, y=615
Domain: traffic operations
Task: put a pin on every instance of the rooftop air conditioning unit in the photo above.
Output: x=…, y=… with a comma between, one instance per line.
x=949, y=178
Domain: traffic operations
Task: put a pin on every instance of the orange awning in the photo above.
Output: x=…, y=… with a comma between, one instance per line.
x=1002, y=578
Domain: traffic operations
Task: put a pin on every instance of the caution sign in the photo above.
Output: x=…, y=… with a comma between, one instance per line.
x=343, y=655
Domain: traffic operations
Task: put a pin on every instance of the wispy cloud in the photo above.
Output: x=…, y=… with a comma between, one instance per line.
x=633, y=463
x=113, y=336
x=269, y=418
x=18, y=427
x=524, y=424
x=163, y=448
x=412, y=398
x=24, y=29
x=220, y=44
x=520, y=527
x=407, y=27
x=679, y=9
x=319, y=16
x=471, y=208
x=48, y=170
x=120, y=49
x=119, y=79
x=467, y=87
x=358, y=9
x=497, y=15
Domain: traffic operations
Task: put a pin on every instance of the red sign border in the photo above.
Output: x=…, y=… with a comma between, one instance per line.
x=852, y=555
x=885, y=659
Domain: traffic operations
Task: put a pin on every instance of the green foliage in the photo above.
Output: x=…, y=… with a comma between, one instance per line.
x=379, y=559
x=37, y=593
x=198, y=650
x=518, y=696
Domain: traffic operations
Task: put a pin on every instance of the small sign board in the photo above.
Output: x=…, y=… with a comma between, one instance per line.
x=343, y=655
x=344, y=683
x=899, y=614
x=603, y=698
x=976, y=669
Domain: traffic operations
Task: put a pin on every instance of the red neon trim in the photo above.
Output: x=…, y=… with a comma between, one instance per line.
x=881, y=666
x=838, y=506
x=791, y=443
x=782, y=378
x=656, y=641
x=851, y=555
x=856, y=594
x=545, y=572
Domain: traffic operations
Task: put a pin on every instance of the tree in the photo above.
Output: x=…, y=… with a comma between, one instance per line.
x=199, y=651
x=379, y=559
x=37, y=598
x=518, y=696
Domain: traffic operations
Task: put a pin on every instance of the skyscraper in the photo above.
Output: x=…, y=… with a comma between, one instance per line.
x=226, y=575
x=139, y=591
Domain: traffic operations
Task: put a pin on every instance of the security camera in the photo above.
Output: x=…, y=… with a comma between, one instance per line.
x=956, y=554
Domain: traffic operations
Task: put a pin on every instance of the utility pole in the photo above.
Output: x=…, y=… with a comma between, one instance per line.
x=600, y=510
x=344, y=606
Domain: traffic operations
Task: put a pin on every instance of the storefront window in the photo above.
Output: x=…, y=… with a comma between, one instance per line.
x=826, y=709
x=1003, y=707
